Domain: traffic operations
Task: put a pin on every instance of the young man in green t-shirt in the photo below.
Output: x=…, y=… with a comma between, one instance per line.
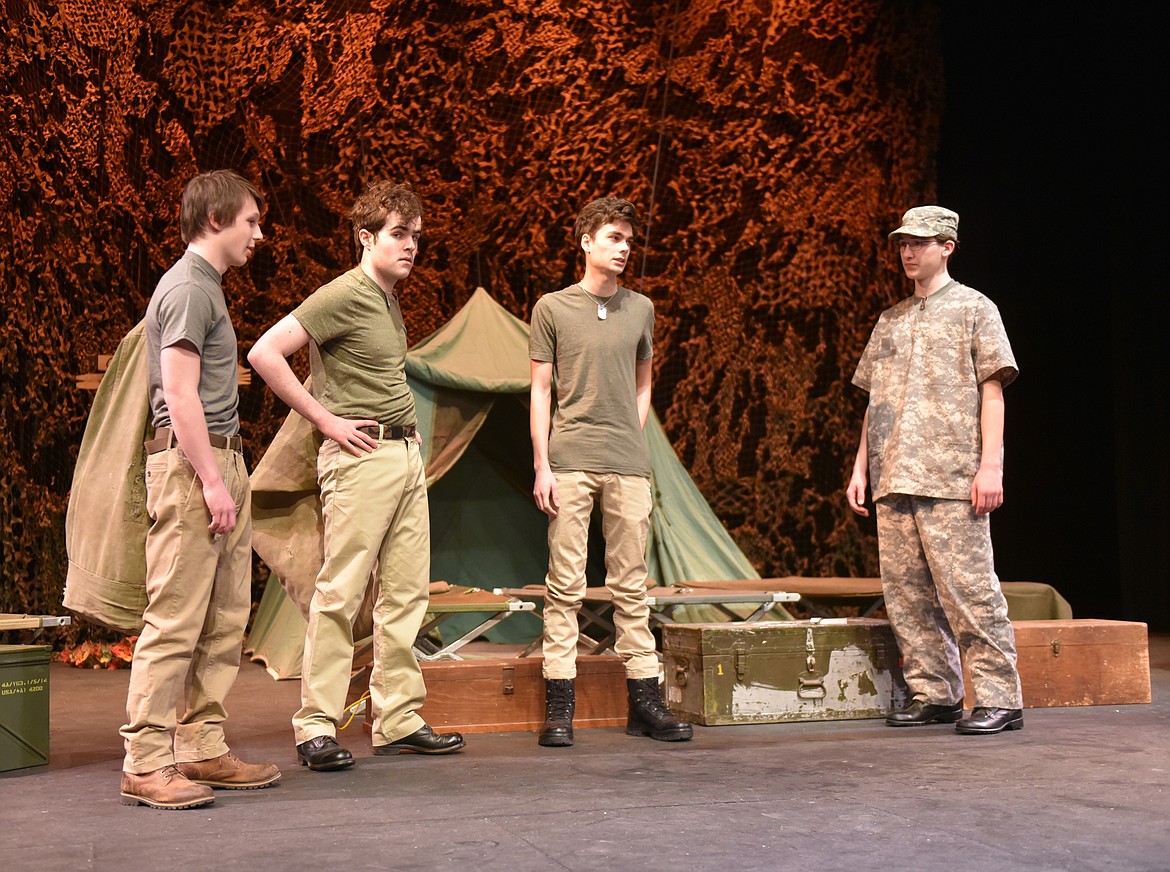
x=373, y=485
x=596, y=339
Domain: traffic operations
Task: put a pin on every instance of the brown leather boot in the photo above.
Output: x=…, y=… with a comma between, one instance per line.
x=231, y=773
x=165, y=788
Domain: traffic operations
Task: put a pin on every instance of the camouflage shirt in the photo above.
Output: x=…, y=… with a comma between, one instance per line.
x=922, y=368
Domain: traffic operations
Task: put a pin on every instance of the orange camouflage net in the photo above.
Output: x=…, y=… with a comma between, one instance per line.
x=770, y=144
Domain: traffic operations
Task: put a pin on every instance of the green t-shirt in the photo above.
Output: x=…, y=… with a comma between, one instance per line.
x=595, y=427
x=188, y=305
x=360, y=368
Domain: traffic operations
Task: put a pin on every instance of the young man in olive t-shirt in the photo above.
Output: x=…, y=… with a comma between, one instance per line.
x=596, y=339
x=373, y=485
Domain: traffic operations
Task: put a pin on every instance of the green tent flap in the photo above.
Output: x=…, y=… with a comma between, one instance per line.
x=470, y=380
x=687, y=541
x=482, y=348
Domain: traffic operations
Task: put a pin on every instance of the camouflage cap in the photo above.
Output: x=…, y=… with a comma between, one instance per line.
x=929, y=222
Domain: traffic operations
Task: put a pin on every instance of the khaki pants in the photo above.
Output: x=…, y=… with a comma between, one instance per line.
x=376, y=520
x=198, y=594
x=625, y=522
x=943, y=597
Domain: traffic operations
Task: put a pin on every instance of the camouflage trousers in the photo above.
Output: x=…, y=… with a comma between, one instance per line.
x=943, y=597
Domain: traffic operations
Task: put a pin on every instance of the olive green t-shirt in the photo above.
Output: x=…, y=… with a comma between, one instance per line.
x=596, y=427
x=360, y=368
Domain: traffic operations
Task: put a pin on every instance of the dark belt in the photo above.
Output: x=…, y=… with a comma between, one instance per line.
x=389, y=432
x=164, y=438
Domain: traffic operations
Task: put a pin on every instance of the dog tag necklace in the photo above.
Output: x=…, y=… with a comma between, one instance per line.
x=601, y=303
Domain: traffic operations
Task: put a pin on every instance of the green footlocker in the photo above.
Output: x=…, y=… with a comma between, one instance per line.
x=769, y=672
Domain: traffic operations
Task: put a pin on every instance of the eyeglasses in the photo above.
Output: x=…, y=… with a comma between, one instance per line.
x=914, y=244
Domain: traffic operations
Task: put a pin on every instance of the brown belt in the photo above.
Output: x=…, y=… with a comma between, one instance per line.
x=389, y=432
x=164, y=439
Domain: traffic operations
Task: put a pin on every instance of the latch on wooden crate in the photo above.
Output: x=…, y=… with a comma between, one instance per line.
x=739, y=661
x=509, y=680
x=811, y=683
x=1055, y=647
x=680, y=672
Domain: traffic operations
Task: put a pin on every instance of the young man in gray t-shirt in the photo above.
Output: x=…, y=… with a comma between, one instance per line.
x=199, y=546
x=595, y=338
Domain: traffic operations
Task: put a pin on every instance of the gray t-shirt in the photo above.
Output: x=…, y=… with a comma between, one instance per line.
x=188, y=304
x=595, y=427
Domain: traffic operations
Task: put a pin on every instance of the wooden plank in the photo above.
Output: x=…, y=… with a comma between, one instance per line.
x=806, y=586
x=1080, y=662
x=507, y=694
x=457, y=598
x=32, y=622
x=1026, y=599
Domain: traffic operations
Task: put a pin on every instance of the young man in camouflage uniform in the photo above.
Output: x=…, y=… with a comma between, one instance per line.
x=932, y=452
x=199, y=546
x=596, y=338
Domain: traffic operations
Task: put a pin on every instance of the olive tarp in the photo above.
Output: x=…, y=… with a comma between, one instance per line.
x=470, y=380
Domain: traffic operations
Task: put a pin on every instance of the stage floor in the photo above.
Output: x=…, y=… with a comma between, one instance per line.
x=1077, y=789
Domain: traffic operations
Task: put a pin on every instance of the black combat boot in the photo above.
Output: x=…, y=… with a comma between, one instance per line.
x=649, y=715
x=559, y=702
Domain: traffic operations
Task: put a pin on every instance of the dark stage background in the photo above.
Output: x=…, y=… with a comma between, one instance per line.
x=772, y=146
x=1049, y=153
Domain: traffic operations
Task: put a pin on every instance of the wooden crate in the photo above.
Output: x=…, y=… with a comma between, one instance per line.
x=1080, y=662
x=506, y=694
x=776, y=671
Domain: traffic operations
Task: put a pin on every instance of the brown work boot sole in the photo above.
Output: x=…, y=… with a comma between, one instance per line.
x=132, y=799
x=235, y=785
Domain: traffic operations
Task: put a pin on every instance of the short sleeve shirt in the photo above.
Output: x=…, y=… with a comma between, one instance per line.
x=188, y=306
x=596, y=426
x=359, y=368
x=922, y=368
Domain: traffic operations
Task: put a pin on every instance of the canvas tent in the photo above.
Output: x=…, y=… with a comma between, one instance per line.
x=470, y=381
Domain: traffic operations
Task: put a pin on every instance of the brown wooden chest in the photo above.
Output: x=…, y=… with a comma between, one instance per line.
x=1081, y=662
x=506, y=694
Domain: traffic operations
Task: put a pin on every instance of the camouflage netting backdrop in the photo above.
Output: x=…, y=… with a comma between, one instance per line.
x=771, y=144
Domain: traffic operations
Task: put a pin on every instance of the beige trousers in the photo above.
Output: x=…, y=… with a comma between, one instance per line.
x=625, y=502
x=198, y=591
x=377, y=528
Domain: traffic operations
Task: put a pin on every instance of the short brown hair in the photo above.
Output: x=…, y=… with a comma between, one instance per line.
x=218, y=195
x=371, y=210
x=607, y=210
